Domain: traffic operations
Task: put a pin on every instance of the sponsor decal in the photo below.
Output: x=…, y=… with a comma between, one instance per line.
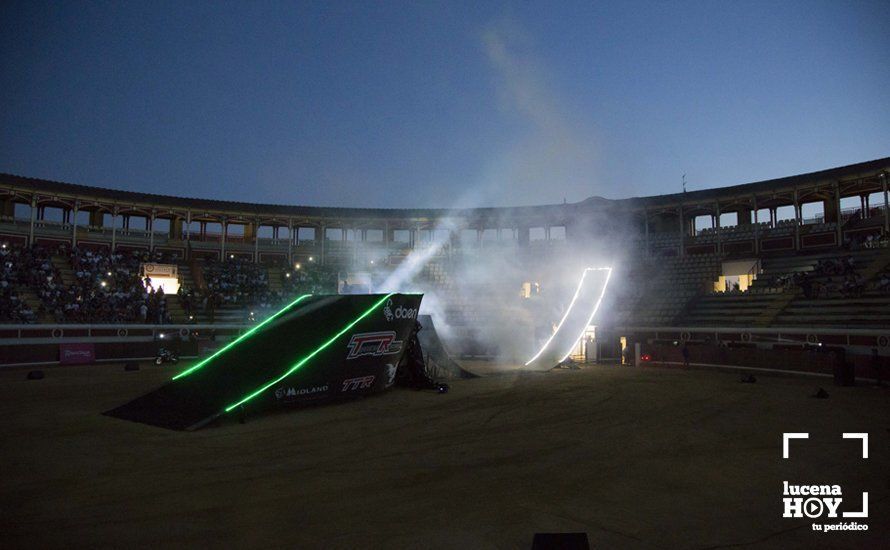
x=390, y=375
x=373, y=343
x=398, y=312
x=159, y=270
x=292, y=393
x=360, y=383
x=76, y=354
x=823, y=500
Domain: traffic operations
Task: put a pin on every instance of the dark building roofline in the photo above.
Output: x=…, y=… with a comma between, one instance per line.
x=270, y=210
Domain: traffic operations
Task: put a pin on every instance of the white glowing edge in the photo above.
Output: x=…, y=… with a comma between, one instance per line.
x=569, y=310
x=608, y=271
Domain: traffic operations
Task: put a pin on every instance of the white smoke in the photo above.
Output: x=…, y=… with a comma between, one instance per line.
x=553, y=158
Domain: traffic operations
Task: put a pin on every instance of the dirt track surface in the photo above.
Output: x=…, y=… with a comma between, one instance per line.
x=637, y=458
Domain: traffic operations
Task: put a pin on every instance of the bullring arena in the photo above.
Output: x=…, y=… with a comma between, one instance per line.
x=612, y=367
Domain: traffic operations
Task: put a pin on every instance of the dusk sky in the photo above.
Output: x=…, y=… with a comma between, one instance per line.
x=415, y=104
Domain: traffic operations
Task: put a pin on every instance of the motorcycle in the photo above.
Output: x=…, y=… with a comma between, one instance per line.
x=166, y=356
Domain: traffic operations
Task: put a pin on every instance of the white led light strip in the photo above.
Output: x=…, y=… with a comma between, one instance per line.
x=569, y=309
x=608, y=271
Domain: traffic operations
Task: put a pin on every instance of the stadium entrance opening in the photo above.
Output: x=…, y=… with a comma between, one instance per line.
x=598, y=347
x=585, y=350
x=159, y=276
x=737, y=275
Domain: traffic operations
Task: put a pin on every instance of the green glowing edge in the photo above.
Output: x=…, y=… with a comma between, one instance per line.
x=304, y=360
x=278, y=313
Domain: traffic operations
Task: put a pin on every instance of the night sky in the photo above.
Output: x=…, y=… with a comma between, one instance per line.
x=394, y=105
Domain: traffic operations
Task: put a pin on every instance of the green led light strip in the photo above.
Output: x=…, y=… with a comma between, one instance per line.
x=240, y=338
x=304, y=360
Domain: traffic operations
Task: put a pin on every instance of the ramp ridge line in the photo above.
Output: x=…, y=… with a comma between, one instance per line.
x=304, y=360
x=564, y=317
x=228, y=346
x=592, y=313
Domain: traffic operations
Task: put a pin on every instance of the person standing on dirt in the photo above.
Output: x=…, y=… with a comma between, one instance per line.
x=685, y=352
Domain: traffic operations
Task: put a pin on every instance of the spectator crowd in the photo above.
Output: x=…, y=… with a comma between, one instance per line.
x=106, y=287
x=18, y=266
x=829, y=277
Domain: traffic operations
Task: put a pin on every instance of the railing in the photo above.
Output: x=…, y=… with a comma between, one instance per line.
x=26, y=334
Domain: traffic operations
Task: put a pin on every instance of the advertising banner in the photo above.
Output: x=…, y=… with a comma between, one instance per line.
x=76, y=354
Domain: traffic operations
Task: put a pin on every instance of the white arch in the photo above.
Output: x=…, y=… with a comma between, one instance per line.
x=569, y=309
x=608, y=271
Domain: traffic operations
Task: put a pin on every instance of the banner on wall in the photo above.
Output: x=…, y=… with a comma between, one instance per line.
x=76, y=354
x=159, y=270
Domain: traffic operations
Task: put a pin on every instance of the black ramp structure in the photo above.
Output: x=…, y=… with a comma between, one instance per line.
x=320, y=348
x=435, y=353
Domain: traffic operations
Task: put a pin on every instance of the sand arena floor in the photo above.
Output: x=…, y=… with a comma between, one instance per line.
x=637, y=458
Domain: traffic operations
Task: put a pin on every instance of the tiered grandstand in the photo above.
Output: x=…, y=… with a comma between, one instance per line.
x=73, y=255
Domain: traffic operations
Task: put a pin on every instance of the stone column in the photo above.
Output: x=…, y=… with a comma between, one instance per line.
x=886, y=205
x=33, y=219
x=682, y=231
x=151, y=232
x=225, y=227
x=74, y=225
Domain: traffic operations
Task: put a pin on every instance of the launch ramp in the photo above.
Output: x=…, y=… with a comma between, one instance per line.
x=316, y=347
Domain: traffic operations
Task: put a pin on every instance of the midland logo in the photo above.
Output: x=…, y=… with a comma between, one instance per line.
x=399, y=312
x=823, y=501
x=373, y=343
x=291, y=393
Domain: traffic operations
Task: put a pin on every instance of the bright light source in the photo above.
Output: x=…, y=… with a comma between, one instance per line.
x=161, y=336
x=564, y=317
x=298, y=266
x=569, y=309
x=102, y=283
x=592, y=313
x=231, y=256
x=311, y=259
x=372, y=262
x=109, y=274
x=287, y=275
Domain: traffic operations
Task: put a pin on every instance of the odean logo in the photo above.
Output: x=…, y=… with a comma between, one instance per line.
x=399, y=312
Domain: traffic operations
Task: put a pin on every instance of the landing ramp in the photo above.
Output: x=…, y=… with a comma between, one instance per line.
x=577, y=317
